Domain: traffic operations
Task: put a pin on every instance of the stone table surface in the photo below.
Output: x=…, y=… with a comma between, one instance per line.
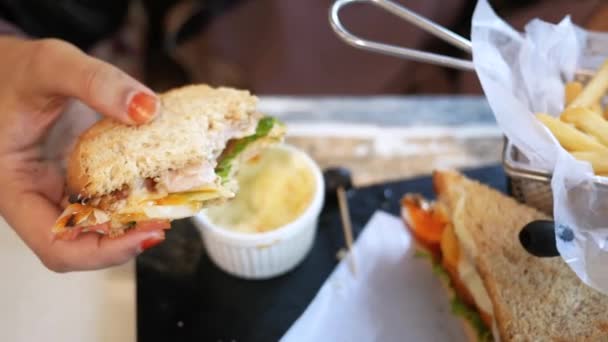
x=378, y=138
x=388, y=138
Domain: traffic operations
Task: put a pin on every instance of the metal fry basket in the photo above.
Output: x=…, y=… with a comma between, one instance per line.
x=526, y=183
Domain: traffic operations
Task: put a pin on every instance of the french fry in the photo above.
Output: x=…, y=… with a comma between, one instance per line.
x=572, y=90
x=597, y=109
x=569, y=137
x=587, y=121
x=606, y=113
x=595, y=89
x=598, y=160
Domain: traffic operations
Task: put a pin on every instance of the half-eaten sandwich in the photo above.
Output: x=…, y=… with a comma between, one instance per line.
x=123, y=177
x=502, y=292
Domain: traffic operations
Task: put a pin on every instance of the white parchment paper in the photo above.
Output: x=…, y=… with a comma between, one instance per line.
x=393, y=296
x=523, y=73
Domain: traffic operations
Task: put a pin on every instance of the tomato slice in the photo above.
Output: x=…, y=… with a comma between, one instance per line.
x=424, y=220
x=450, y=250
x=153, y=224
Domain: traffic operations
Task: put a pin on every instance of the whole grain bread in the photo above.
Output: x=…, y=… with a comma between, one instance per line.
x=534, y=299
x=191, y=127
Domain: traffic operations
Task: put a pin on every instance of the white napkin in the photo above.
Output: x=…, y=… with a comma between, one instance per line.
x=393, y=296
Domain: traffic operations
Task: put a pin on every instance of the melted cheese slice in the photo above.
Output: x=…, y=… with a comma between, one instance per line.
x=472, y=281
x=194, y=196
x=171, y=212
x=466, y=268
x=172, y=206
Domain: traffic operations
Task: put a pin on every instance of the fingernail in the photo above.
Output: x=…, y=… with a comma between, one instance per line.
x=142, y=107
x=151, y=242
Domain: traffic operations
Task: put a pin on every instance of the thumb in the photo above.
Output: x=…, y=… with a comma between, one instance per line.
x=65, y=70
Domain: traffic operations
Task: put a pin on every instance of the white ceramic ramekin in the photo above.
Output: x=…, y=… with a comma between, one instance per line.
x=269, y=254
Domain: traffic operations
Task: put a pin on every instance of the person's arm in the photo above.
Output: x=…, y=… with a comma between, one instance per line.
x=39, y=78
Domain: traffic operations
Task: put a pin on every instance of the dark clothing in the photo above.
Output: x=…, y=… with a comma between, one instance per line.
x=85, y=22
x=81, y=22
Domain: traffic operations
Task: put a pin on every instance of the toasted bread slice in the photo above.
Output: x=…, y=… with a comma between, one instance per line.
x=533, y=299
x=192, y=126
x=122, y=177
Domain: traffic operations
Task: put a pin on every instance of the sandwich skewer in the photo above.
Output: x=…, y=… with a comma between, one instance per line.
x=338, y=180
x=347, y=227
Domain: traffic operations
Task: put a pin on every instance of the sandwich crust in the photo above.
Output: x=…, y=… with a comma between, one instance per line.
x=534, y=299
x=192, y=127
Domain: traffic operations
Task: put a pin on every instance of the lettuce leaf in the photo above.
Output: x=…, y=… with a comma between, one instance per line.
x=236, y=147
x=458, y=307
x=438, y=270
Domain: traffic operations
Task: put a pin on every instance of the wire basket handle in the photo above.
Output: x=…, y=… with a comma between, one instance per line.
x=399, y=51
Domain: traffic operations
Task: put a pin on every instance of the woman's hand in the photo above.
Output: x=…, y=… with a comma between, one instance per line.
x=39, y=79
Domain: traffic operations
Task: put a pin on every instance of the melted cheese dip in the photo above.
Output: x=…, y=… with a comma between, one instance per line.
x=274, y=189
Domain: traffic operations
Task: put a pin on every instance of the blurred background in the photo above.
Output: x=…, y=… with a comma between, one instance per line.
x=275, y=46
x=287, y=47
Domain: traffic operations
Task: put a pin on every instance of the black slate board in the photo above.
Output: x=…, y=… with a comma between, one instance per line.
x=182, y=296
